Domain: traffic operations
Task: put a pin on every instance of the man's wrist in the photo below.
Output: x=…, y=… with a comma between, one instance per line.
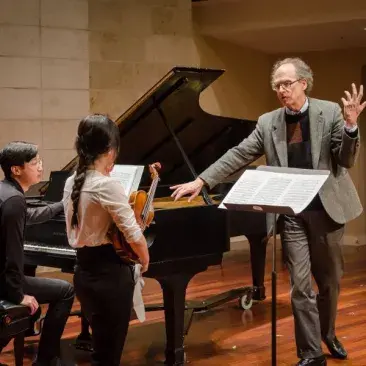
x=201, y=182
x=350, y=127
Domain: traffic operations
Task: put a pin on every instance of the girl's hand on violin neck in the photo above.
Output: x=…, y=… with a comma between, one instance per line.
x=142, y=252
x=145, y=266
x=139, y=222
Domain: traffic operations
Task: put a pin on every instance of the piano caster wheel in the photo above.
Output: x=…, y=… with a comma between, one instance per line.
x=246, y=302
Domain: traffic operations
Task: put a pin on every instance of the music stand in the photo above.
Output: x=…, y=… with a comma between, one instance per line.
x=269, y=204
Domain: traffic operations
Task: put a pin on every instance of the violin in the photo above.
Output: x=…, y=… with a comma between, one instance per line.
x=141, y=203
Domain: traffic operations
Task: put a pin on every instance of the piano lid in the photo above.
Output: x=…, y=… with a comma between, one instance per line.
x=168, y=125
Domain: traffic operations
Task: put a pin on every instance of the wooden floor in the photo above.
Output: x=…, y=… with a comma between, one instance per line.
x=228, y=335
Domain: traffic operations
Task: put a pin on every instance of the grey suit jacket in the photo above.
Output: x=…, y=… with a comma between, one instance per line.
x=331, y=148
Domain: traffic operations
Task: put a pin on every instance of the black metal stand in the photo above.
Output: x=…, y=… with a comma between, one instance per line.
x=274, y=294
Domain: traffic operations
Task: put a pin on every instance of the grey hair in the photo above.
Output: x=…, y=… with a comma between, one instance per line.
x=303, y=71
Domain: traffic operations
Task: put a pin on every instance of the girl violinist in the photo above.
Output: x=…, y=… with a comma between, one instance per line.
x=93, y=202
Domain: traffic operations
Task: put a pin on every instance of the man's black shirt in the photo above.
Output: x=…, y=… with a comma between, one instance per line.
x=14, y=215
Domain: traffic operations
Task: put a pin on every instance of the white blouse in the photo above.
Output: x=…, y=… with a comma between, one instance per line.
x=102, y=202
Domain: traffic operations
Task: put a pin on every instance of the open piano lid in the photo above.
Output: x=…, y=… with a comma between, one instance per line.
x=168, y=125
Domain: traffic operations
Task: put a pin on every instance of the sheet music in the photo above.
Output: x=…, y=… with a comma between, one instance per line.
x=129, y=176
x=256, y=187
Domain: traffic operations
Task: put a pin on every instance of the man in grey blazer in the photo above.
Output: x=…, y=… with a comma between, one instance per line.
x=310, y=134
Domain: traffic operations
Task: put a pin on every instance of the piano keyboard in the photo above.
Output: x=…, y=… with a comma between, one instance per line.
x=39, y=247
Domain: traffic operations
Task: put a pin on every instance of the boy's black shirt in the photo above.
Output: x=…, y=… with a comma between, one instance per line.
x=13, y=210
x=14, y=215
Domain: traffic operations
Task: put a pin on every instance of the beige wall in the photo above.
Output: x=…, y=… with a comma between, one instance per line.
x=44, y=74
x=123, y=67
x=132, y=45
x=61, y=60
x=242, y=91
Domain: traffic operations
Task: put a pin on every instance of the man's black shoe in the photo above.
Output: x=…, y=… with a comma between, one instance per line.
x=336, y=349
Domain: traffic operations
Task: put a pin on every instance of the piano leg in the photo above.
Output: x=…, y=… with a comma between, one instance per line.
x=258, y=247
x=174, y=293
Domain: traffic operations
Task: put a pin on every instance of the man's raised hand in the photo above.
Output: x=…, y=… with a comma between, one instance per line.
x=352, y=106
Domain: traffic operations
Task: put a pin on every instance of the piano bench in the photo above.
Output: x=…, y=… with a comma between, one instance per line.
x=14, y=321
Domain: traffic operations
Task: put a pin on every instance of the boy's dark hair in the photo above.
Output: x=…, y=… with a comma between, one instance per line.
x=16, y=153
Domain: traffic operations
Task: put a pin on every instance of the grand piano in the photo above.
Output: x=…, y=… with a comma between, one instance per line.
x=168, y=125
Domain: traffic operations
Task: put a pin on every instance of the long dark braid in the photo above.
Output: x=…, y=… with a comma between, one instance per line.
x=97, y=134
x=76, y=189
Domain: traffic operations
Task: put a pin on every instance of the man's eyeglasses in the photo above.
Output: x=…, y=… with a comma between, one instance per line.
x=285, y=85
x=36, y=162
